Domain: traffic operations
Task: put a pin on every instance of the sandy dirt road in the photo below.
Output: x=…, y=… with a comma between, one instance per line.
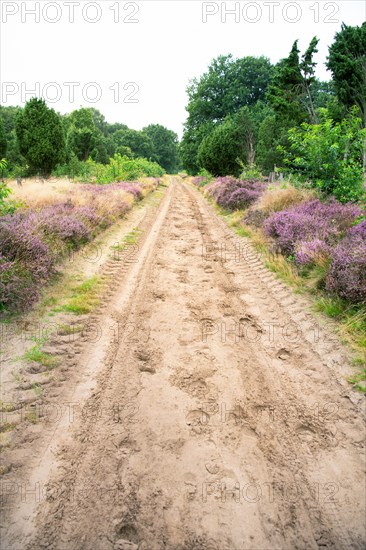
x=213, y=415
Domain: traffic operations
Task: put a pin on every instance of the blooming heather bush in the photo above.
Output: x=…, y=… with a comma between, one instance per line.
x=254, y=217
x=213, y=188
x=33, y=241
x=88, y=215
x=15, y=285
x=21, y=241
x=311, y=252
x=131, y=187
x=359, y=230
x=308, y=221
x=347, y=274
x=234, y=194
x=64, y=223
x=242, y=198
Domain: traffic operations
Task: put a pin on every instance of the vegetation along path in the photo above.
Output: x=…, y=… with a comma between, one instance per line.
x=212, y=411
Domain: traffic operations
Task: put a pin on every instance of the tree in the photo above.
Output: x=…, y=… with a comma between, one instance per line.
x=99, y=120
x=269, y=134
x=81, y=134
x=4, y=190
x=138, y=141
x=223, y=150
x=324, y=96
x=283, y=92
x=3, y=141
x=347, y=62
x=40, y=136
x=227, y=86
x=8, y=116
x=112, y=128
x=248, y=121
x=294, y=95
x=165, y=146
x=290, y=91
x=189, y=145
x=329, y=155
x=233, y=143
x=307, y=69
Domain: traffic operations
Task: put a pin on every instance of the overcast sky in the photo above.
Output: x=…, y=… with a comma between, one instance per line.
x=133, y=60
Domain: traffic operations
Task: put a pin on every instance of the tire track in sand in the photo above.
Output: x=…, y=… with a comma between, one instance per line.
x=218, y=434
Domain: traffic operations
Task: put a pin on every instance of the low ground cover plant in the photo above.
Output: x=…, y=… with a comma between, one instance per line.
x=35, y=238
x=235, y=194
x=322, y=237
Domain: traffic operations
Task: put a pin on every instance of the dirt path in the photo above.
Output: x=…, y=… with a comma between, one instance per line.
x=216, y=417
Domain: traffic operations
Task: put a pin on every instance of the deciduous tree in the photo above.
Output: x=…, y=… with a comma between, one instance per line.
x=165, y=146
x=227, y=86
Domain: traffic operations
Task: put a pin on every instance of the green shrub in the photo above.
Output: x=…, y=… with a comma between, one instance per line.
x=329, y=156
x=119, y=168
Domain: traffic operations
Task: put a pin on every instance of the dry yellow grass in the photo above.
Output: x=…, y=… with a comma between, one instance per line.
x=275, y=262
x=37, y=195
x=280, y=198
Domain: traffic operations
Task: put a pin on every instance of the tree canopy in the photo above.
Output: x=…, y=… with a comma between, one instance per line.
x=291, y=90
x=347, y=62
x=40, y=136
x=81, y=133
x=165, y=146
x=227, y=86
x=244, y=111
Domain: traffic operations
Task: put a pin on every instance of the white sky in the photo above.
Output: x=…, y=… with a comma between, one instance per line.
x=167, y=45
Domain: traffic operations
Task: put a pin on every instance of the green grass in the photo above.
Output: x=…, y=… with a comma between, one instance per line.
x=38, y=356
x=351, y=321
x=130, y=239
x=242, y=231
x=359, y=380
x=315, y=277
x=50, y=301
x=333, y=307
x=284, y=271
x=132, y=236
x=84, y=297
x=355, y=320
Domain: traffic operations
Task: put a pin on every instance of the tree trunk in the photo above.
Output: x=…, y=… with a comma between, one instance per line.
x=313, y=117
x=250, y=149
x=346, y=151
x=251, y=155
